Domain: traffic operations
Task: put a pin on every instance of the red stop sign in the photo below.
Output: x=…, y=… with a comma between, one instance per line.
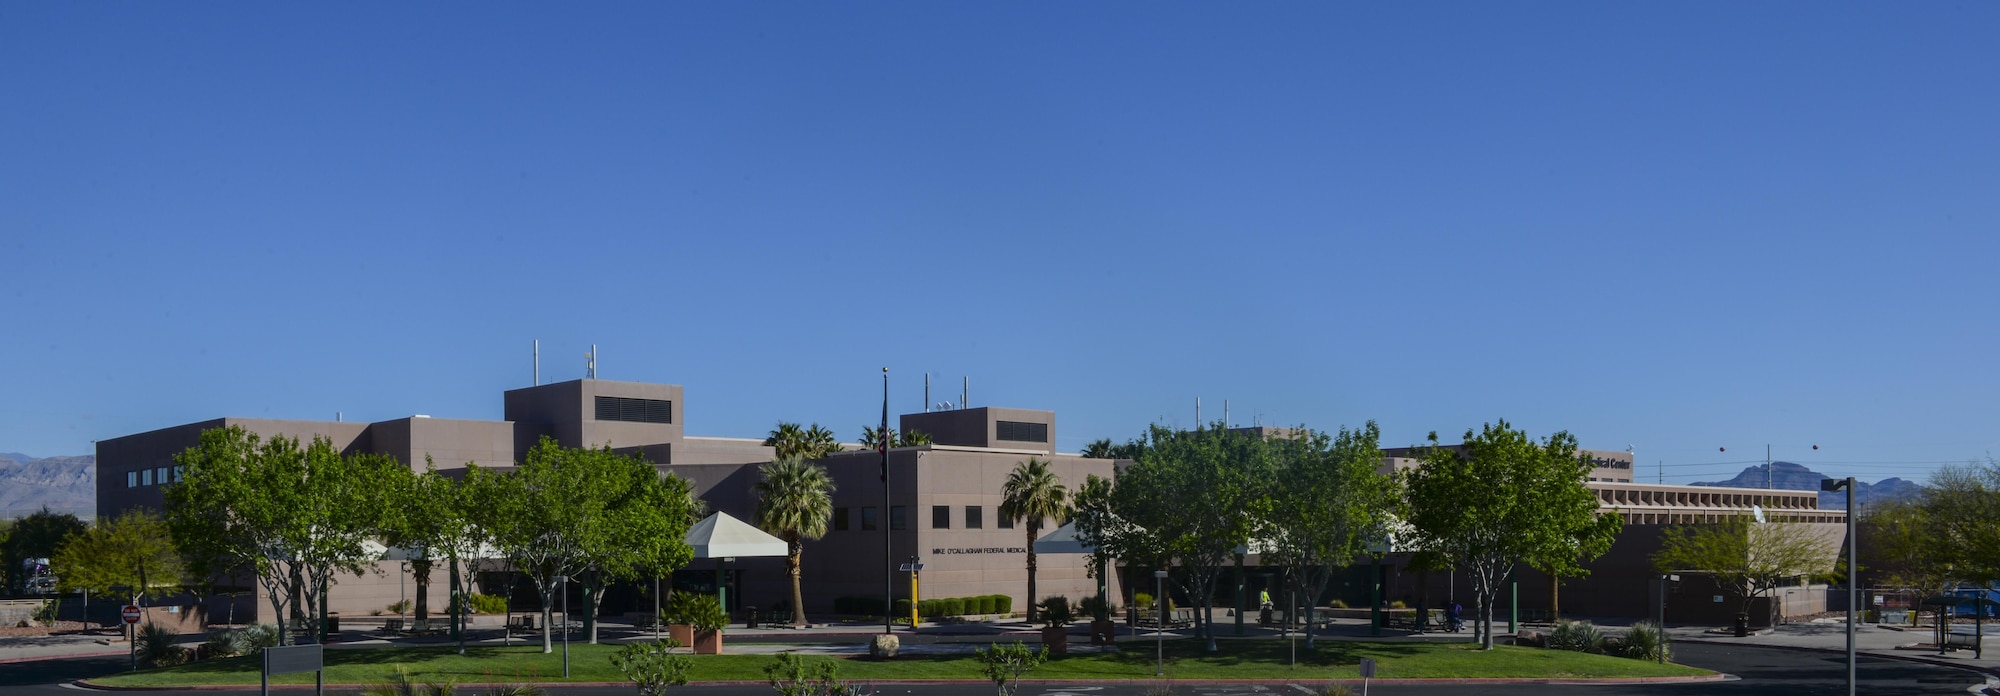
x=130, y=613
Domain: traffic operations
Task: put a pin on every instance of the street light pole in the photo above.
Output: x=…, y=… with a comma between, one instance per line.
x=1853, y=591
x=565, y=609
x=1159, y=623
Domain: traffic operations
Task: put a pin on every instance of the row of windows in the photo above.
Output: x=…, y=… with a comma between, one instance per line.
x=1021, y=432
x=152, y=477
x=619, y=408
x=975, y=518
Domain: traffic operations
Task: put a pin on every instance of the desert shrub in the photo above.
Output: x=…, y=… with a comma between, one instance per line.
x=654, y=666
x=1337, y=604
x=792, y=675
x=399, y=607
x=488, y=604
x=1645, y=641
x=1056, y=611
x=1398, y=604
x=513, y=690
x=403, y=685
x=702, y=611
x=1093, y=607
x=158, y=646
x=46, y=613
x=1142, y=600
x=1006, y=664
x=1578, y=636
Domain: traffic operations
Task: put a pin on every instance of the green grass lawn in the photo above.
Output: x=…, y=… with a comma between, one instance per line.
x=1259, y=659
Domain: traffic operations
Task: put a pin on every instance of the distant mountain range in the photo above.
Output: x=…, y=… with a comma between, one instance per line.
x=62, y=484
x=1795, y=477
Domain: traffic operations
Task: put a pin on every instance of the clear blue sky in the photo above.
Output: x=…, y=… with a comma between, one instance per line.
x=1673, y=226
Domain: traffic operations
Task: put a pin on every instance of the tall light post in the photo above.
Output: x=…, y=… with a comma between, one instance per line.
x=565, y=613
x=403, y=588
x=1159, y=623
x=1853, y=593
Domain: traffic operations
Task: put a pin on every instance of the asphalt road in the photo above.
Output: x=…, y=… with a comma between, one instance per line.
x=1763, y=672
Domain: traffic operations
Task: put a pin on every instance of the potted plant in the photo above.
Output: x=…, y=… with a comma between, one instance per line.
x=1102, y=630
x=1056, y=616
x=696, y=620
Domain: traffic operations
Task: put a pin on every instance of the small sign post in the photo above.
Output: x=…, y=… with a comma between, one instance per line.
x=295, y=658
x=1367, y=673
x=130, y=615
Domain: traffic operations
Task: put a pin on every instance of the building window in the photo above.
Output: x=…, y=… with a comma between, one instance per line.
x=618, y=408
x=163, y=475
x=974, y=517
x=940, y=517
x=131, y=479
x=868, y=519
x=898, y=518
x=180, y=473
x=146, y=477
x=1022, y=432
x=1005, y=522
x=840, y=519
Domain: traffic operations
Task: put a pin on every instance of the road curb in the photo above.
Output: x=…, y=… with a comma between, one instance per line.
x=64, y=656
x=1988, y=671
x=1601, y=681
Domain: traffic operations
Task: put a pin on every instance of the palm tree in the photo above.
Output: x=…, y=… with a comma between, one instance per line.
x=1033, y=493
x=791, y=440
x=794, y=501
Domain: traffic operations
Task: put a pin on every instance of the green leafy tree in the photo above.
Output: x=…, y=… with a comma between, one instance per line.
x=1105, y=449
x=653, y=666
x=133, y=551
x=1908, y=546
x=794, y=502
x=1033, y=493
x=790, y=440
x=423, y=520
x=565, y=512
x=1748, y=559
x=1099, y=529
x=295, y=516
x=1230, y=473
x=1505, y=500
x=37, y=536
x=1333, y=502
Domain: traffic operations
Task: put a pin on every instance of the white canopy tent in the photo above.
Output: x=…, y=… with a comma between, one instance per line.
x=722, y=537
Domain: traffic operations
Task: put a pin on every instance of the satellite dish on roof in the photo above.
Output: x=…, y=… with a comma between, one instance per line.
x=1758, y=512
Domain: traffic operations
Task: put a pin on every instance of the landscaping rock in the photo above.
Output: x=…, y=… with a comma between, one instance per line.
x=884, y=647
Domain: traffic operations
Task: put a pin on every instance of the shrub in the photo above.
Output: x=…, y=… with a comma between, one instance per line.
x=1142, y=600
x=1646, y=641
x=702, y=611
x=1056, y=611
x=158, y=646
x=902, y=608
x=1006, y=664
x=514, y=690
x=1096, y=609
x=986, y=603
x=1337, y=604
x=46, y=613
x=1398, y=604
x=403, y=607
x=1003, y=604
x=952, y=606
x=792, y=675
x=654, y=666
x=488, y=604
x=1578, y=636
x=403, y=685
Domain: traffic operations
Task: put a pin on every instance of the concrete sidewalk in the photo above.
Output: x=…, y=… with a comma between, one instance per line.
x=1869, y=639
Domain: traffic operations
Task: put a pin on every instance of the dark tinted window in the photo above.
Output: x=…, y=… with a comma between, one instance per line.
x=974, y=516
x=840, y=519
x=940, y=517
x=1022, y=432
x=898, y=519
x=868, y=522
x=618, y=408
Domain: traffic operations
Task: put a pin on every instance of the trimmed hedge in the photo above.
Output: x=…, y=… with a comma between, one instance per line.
x=939, y=607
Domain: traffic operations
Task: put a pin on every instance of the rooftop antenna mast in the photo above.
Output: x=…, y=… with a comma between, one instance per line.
x=965, y=393
x=538, y=362
x=590, y=363
x=927, y=392
x=1197, y=412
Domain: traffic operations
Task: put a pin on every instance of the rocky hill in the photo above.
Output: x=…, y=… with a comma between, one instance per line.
x=1795, y=477
x=62, y=484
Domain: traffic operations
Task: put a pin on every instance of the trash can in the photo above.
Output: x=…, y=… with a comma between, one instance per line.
x=1264, y=616
x=750, y=618
x=1742, y=625
x=333, y=623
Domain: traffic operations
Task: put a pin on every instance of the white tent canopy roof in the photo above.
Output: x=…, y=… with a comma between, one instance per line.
x=1062, y=540
x=722, y=536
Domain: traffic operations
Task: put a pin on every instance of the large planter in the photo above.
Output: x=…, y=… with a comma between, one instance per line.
x=708, y=642
x=681, y=633
x=1103, y=632
x=1055, y=639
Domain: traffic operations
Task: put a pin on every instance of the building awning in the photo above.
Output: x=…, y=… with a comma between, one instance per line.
x=722, y=536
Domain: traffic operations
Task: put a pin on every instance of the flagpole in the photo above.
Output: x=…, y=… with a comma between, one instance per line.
x=888, y=558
